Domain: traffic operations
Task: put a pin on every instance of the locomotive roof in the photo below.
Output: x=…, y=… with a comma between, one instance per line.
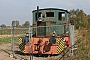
x=52, y=9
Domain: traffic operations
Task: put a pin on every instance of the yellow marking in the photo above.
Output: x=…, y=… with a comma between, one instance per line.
x=20, y=41
x=60, y=44
x=22, y=47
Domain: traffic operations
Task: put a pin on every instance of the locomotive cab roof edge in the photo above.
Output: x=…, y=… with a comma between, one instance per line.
x=51, y=9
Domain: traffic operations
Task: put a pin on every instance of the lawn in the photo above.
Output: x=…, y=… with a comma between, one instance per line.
x=8, y=40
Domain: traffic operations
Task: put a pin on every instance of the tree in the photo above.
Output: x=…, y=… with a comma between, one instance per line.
x=72, y=16
x=78, y=18
x=26, y=24
x=89, y=20
x=3, y=26
x=15, y=23
x=82, y=20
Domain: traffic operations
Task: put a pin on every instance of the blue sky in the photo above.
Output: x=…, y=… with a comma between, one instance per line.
x=22, y=9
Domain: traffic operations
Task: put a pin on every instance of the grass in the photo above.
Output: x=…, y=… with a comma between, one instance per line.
x=5, y=40
x=83, y=48
x=83, y=51
x=8, y=40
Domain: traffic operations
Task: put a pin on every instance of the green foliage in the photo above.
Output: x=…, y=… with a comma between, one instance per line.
x=26, y=24
x=89, y=19
x=79, y=19
x=15, y=23
x=3, y=26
